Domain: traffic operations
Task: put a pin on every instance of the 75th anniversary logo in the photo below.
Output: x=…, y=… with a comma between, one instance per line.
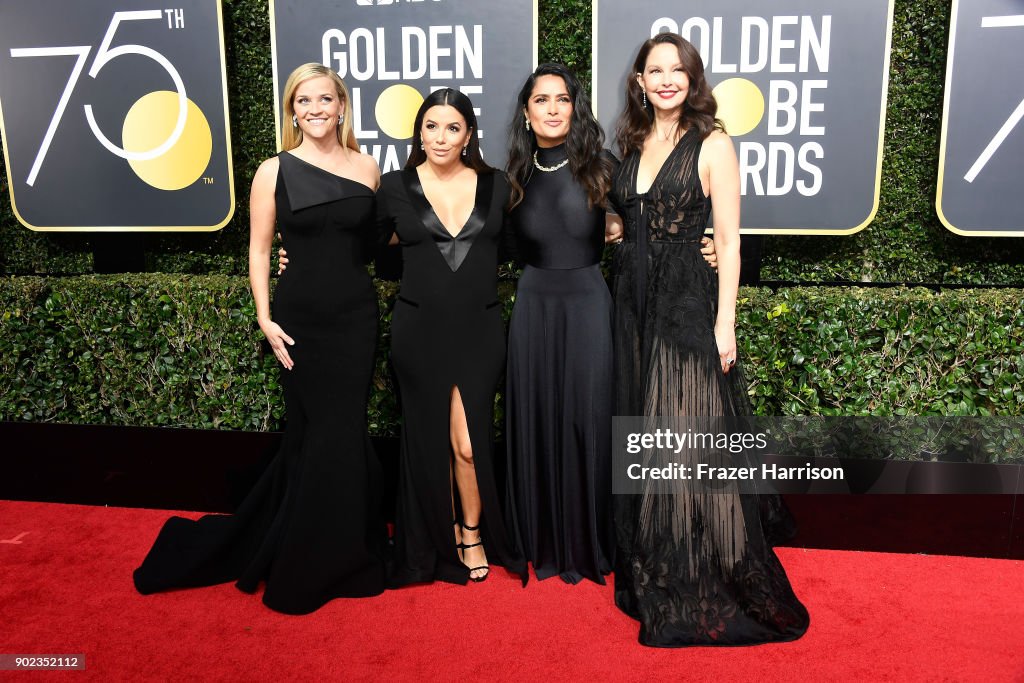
x=114, y=115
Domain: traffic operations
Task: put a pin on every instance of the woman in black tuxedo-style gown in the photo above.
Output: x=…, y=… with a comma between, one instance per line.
x=448, y=350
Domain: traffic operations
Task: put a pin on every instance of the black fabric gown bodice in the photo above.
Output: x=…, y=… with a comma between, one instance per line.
x=554, y=226
x=327, y=224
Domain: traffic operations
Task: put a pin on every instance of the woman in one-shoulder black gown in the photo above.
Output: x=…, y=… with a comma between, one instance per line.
x=311, y=527
x=693, y=566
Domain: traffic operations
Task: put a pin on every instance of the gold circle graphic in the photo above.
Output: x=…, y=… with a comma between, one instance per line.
x=396, y=110
x=740, y=105
x=149, y=123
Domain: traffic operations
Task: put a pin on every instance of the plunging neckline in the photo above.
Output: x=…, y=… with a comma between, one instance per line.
x=453, y=248
x=661, y=169
x=476, y=197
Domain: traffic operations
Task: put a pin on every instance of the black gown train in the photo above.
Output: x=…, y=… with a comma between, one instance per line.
x=446, y=332
x=311, y=527
x=695, y=568
x=558, y=400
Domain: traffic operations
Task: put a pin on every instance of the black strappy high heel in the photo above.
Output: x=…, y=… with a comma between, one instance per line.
x=464, y=546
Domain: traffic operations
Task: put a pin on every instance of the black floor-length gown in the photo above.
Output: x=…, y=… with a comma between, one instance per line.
x=311, y=527
x=558, y=393
x=446, y=332
x=695, y=568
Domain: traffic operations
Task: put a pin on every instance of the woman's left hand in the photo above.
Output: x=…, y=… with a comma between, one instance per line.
x=725, y=337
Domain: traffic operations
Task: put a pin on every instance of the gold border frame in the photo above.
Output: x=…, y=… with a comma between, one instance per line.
x=168, y=228
x=954, y=13
x=273, y=63
x=881, y=131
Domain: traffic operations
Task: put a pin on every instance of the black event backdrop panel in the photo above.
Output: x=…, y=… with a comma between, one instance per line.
x=391, y=54
x=801, y=87
x=981, y=159
x=156, y=153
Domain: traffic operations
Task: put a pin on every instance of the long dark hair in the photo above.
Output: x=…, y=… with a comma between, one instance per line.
x=584, y=144
x=699, y=109
x=462, y=104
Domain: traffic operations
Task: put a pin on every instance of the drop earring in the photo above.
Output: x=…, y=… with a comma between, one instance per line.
x=341, y=119
x=645, y=98
x=295, y=121
x=527, y=125
x=421, y=146
x=464, y=150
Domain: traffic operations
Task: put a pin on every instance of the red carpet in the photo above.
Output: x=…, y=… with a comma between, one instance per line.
x=65, y=587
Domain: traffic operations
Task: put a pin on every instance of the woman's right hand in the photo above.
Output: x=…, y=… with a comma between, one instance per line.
x=279, y=342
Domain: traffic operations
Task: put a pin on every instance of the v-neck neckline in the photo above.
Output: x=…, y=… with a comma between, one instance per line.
x=661, y=169
x=453, y=248
x=476, y=200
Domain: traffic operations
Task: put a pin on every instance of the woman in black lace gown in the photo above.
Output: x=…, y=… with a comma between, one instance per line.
x=694, y=567
x=311, y=527
x=558, y=395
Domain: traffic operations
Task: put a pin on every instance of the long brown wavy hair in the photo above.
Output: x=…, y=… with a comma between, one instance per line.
x=584, y=145
x=699, y=109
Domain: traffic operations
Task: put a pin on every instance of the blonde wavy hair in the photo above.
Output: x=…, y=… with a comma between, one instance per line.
x=291, y=136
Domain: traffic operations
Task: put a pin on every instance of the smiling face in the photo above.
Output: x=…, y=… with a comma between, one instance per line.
x=664, y=79
x=549, y=110
x=444, y=134
x=317, y=106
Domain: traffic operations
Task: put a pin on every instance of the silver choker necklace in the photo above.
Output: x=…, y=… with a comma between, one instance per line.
x=548, y=169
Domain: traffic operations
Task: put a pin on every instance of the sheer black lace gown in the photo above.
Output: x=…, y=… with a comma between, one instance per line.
x=694, y=568
x=558, y=398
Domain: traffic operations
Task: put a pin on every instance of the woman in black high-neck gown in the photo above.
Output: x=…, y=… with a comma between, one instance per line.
x=559, y=381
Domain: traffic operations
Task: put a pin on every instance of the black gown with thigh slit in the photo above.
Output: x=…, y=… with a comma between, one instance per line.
x=311, y=527
x=558, y=395
x=694, y=567
x=446, y=333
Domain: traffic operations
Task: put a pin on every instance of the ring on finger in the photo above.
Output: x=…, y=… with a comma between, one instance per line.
x=731, y=361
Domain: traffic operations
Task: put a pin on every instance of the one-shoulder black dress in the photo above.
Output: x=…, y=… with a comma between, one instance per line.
x=558, y=393
x=446, y=332
x=311, y=528
x=692, y=565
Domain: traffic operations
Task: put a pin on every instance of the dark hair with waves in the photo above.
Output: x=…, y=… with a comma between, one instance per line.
x=699, y=109
x=452, y=98
x=584, y=144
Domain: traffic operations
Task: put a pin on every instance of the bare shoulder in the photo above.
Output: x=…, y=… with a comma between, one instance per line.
x=266, y=174
x=367, y=167
x=718, y=142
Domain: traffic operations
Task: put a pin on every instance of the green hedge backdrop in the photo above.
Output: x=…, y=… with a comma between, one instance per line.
x=177, y=346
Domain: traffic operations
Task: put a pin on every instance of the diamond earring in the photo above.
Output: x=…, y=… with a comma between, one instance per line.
x=527, y=125
x=464, y=150
x=341, y=119
x=645, y=98
x=295, y=121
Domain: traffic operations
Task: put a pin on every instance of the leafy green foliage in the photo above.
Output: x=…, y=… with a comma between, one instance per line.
x=184, y=351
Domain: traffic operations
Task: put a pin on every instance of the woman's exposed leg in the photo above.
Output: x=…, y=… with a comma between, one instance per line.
x=465, y=479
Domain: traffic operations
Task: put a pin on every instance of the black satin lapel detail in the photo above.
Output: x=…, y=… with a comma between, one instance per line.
x=308, y=185
x=453, y=249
